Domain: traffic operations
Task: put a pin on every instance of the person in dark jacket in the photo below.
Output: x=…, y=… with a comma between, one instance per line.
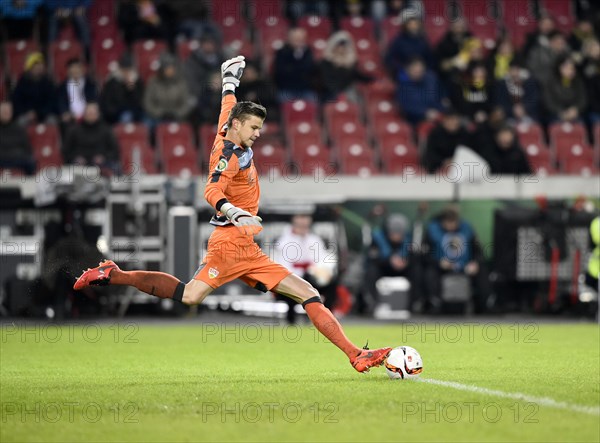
x=202, y=64
x=121, y=100
x=256, y=88
x=450, y=46
x=454, y=249
x=15, y=149
x=443, y=141
x=34, y=97
x=92, y=142
x=565, y=96
x=472, y=93
x=419, y=93
x=18, y=18
x=338, y=69
x=408, y=44
x=76, y=10
x=75, y=92
x=390, y=255
x=294, y=68
x=505, y=155
x=518, y=94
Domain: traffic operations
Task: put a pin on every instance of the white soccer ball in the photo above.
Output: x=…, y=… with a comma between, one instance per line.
x=403, y=362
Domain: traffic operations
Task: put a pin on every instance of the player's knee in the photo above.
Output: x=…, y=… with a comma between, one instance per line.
x=193, y=297
x=309, y=292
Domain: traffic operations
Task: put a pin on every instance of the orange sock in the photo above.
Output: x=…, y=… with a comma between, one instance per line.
x=328, y=325
x=158, y=284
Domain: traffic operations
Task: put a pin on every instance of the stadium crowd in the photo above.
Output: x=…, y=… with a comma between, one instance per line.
x=359, y=87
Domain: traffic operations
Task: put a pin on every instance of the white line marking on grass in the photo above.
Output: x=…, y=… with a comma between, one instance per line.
x=544, y=401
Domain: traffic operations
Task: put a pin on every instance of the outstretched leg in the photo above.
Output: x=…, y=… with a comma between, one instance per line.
x=301, y=291
x=154, y=283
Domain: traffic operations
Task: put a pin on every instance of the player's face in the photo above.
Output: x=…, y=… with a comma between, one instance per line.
x=249, y=130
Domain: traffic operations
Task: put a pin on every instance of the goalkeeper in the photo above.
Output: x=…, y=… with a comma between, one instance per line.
x=233, y=190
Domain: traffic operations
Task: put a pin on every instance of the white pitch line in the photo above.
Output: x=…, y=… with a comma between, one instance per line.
x=544, y=401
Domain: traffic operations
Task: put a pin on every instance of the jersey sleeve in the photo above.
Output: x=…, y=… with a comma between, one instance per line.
x=220, y=178
x=227, y=103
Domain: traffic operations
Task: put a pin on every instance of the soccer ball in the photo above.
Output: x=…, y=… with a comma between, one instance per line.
x=403, y=362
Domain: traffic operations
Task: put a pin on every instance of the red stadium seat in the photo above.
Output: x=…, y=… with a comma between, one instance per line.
x=260, y=11
x=562, y=11
x=147, y=54
x=223, y=10
x=304, y=134
x=436, y=8
x=392, y=127
x=103, y=8
x=270, y=159
x=176, y=147
x=340, y=112
x=596, y=135
x=60, y=53
x=206, y=137
x=359, y=27
x=370, y=63
x=538, y=157
x=382, y=110
x=423, y=131
x=45, y=142
x=135, y=136
x=347, y=129
x=4, y=92
x=295, y=111
x=398, y=155
x=381, y=89
x=564, y=135
x=105, y=56
x=519, y=20
x=318, y=31
x=530, y=134
x=366, y=46
x=356, y=157
x=16, y=54
x=311, y=159
x=436, y=27
x=272, y=36
x=482, y=19
x=577, y=159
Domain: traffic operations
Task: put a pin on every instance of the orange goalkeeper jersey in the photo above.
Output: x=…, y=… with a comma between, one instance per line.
x=232, y=174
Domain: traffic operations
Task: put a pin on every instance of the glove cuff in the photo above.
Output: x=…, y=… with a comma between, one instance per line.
x=226, y=207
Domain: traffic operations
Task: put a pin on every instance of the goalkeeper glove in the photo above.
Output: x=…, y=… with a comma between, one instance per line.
x=231, y=72
x=247, y=223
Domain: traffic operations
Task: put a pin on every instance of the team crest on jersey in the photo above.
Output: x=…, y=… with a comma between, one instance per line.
x=222, y=165
x=212, y=273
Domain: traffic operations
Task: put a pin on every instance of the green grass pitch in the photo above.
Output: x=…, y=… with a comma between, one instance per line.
x=185, y=381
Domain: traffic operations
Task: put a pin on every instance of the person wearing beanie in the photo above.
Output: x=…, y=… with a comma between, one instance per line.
x=121, y=100
x=34, y=97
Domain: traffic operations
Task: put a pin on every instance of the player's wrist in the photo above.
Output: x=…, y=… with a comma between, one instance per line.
x=226, y=207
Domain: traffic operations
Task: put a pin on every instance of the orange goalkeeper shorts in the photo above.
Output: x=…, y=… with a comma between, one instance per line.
x=231, y=255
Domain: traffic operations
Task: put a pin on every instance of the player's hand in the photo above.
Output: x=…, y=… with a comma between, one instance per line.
x=247, y=223
x=231, y=72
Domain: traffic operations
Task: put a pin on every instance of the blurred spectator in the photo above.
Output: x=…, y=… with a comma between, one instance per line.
x=74, y=10
x=419, y=92
x=255, y=87
x=565, y=96
x=505, y=155
x=209, y=100
x=305, y=254
x=92, y=142
x=34, y=96
x=194, y=20
x=167, y=96
x=541, y=36
x=453, y=44
x=443, y=140
x=298, y=8
x=454, y=249
x=390, y=255
x=15, y=150
x=582, y=32
x=394, y=8
x=484, y=133
x=472, y=93
x=202, y=63
x=543, y=57
x=121, y=99
x=593, y=266
x=144, y=19
x=75, y=92
x=590, y=68
x=499, y=61
x=518, y=94
x=339, y=68
x=348, y=8
x=411, y=42
x=294, y=68
x=17, y=17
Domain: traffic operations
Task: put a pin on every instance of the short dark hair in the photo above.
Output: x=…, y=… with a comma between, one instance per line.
x=243, y=110
x=73, y=61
